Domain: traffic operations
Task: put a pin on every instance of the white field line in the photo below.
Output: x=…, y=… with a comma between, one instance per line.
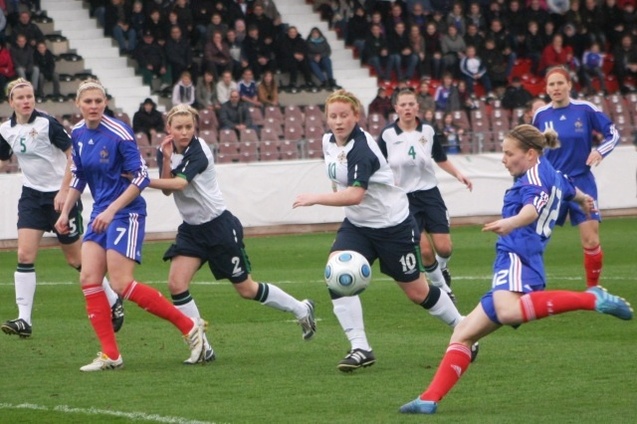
x=133, y=416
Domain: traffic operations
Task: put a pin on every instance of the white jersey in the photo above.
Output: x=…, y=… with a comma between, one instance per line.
x=40, y=146
x=411, y=155
x=201, y=200
x=360, y=163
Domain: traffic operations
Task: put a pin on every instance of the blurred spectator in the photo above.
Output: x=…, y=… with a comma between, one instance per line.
x=235, y=48
x=417, y=16
x=155, y=25
x=591, y=15
x=240, y=30
x=22, y=56
x=45, y=61
x=452, y=133
x=234, y=114
x=515, y=95
x=27, y=28
x=138, y=18
x=3, y=27
x=473, y=37
x=206, y=92
x=433, y=52
x=258, y=18
x=231, y=10
x=625, y=62
x=185, y=18
x=117, y=25
x=216, y=25
x=516, y=19
x=502, y=43
x=629, y=18
x=148, y=119
x=293, y=52
x=401, y=55
x=473, y=70
x=178, y=53
x=271, y=11
x=423, y=97
x=476, y=17
x=377, y=53
x=575, y=39
x=446, y=96
x=7, y=70
x=612, y=21
x=573, y=15
x=184, y=90
x=453, y=47
x=216, y=55
x=417, y=44
x=357, y=30
x=381, y=104
x=268, y=90
x=555, y=54
x=151, y=61
x=456, y=18
x=248, y=89
x=225, y=85
x=495, y=63
x=536, y=11
x=395, y=15
x=318, y=53
x=257, y=53
x=592, y=63
x=201, y=14
x=533, y=45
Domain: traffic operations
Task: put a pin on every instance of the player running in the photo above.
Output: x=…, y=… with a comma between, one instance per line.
x=210, y=233
x=517, y=295
x=103, y=150
x=43, y=150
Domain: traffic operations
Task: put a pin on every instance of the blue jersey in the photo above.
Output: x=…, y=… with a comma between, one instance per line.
x=544, y=188
x=574, y=125
x=100, y=157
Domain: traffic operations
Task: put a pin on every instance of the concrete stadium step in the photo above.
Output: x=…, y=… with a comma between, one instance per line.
x=84, y=33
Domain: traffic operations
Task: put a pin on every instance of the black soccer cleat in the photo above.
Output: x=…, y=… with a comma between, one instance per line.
x=447, y=276
x=117, y=314
x=18, y=327
x=355, y=359
x=475, y=349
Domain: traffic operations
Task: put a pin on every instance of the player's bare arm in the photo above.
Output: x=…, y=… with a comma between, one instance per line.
x=504, y=226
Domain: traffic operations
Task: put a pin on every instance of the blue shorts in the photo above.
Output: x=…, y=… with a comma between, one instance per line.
x=124, y=235
x=429, y=211
x=397, y=248
x=509, y=273
x=218, y=242
x=585, y=183
x=36, y=211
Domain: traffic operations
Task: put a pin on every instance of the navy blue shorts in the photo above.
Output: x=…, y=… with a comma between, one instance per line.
x=37, y=212
x=218, y=242
x=429, y=211
x=397, y=248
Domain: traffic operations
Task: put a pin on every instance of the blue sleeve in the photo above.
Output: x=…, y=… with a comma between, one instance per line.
x=535, y=195
x=602, y=124
x=133, y=163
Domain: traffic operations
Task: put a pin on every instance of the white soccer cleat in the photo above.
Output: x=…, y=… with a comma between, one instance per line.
x=196, y=341
x=103, y=363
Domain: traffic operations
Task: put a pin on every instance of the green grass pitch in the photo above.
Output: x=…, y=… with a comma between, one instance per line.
x=574, y=368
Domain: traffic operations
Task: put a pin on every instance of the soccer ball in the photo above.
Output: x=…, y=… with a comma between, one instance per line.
x=348, y=273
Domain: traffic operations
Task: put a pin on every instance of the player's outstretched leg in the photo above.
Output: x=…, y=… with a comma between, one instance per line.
x=610, y=304
x=308, y=322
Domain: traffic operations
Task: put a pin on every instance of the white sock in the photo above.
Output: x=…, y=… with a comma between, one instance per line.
x=444, y=262
x=110, y=294
x=349, y=312
x=437, y=279
x=24, y=294
x=446, y=311
x=190, y=309
x=278, y=299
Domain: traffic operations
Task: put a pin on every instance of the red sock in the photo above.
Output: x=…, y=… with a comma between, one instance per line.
x=453, y=365
x=152, y=301
x=593, y=265
x=99, y=314
x=541, y=304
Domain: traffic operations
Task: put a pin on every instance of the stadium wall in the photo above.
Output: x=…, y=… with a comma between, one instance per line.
x=261, y=194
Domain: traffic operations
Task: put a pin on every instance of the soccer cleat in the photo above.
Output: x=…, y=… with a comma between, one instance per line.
x=447, y=276
x=208, y=356
x=18, y=327
x=355, y=359
x=117, y=314
x=308, y=323
x=103, y=363
x=475, y=349
x=195, y=340
x=418, y=406
x=610, y=304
